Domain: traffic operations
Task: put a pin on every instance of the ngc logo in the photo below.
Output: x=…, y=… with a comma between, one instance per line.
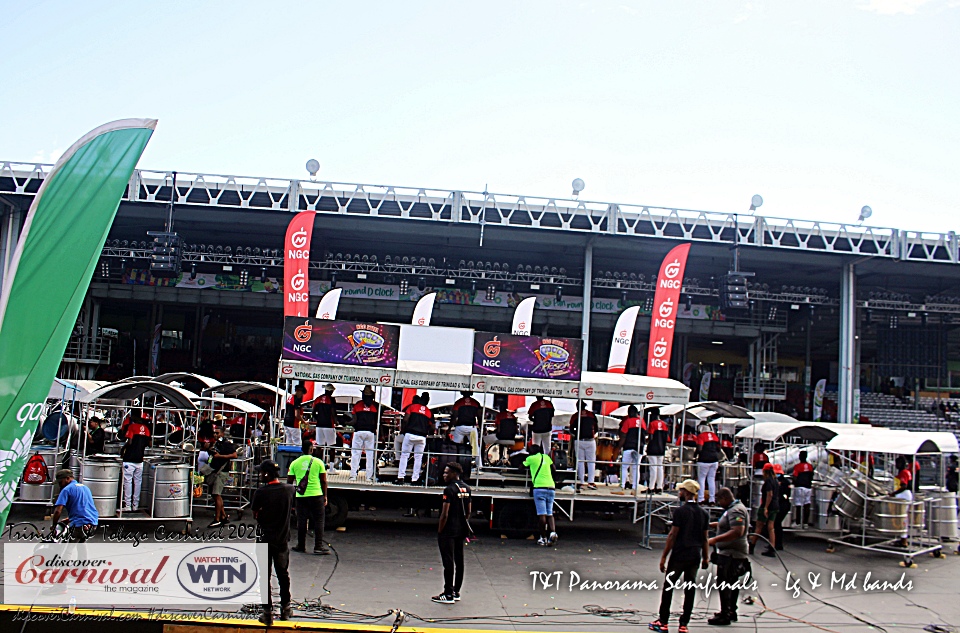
x=491, y=349
x=384, y=380
x=299, y=238
x=666, y=308
x=303, y=332
x=649, y=395
x=588, y=392
x=298, y=281
x=286, y=370
x=672, y=269
x=623, y=334
x=660, y=348
x=421, y=321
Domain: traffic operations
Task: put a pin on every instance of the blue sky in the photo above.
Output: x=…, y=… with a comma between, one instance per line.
x=819, y=106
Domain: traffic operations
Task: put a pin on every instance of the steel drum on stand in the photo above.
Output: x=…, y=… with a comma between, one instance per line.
x=102, y=476
x=942, y=518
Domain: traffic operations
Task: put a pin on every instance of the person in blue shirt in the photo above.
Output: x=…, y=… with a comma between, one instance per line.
x=78, y=500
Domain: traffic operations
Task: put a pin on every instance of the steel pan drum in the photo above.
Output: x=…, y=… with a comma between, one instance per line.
x=890, y=516
x=943, y=516
x=606, y=448
x=102, y=476
x=849, y=501
x=918, y=516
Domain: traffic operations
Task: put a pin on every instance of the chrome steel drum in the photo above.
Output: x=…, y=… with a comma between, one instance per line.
x=943, y=516
x=734, y=475
x=112, y=448
x=170, y=480
x=890, y=515
x=823, y=496
x=102, y=476
x=36, y=492
x=918, y=516
x=849, y=501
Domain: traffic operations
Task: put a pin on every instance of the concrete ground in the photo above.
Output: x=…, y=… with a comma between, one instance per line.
x=384, y=562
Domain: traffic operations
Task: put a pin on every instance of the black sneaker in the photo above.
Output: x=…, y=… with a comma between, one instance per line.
x=397, y=482
x=216, y=524
x=443, y=599
x=321, y=551
x=266, y=618
x=456, y=596
x=300, y=549
x=720, y=620
x=769, y=552
x=286, y=613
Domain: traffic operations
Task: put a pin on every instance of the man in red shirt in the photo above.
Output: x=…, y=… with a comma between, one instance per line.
x=541, y=423
x=365, y=414
x=325, y=417
x=708, y=457
x=465, y=417
x=632, y=435
x=137, y=438
x=657, y=439
x=802, y=489
x=416, y=426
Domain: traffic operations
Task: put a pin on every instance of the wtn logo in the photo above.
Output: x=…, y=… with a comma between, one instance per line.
x=224, y=574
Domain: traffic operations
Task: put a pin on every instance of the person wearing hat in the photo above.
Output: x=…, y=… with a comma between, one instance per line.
x=687, y=550
x=271, y=506
x=293, y=416
x=78, y=501
x=365, y=415
x=310, y=504
x=466, y=417
x=137, y=440
x=767, y=512
x=96, y=438
x=325, y=417
x=783, y=503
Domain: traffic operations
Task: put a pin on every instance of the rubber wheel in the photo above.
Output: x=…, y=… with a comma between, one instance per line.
x=516, y=519
x=335, y=514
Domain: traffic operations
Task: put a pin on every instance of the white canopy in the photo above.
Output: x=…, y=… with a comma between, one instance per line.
x=179, y=376
x=896, y=442
x=240, y=387
x=806, y=431
x=240, y=405
x=595, y=385
x=63, y=389
x=773, y=416
x=126, y=391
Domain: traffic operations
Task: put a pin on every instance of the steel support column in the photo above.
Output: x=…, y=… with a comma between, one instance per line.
x=587, y=302
x=848, y=333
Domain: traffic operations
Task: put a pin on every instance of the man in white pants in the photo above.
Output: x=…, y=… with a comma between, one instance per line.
x=416, y=426
x=325, y=417
x=365, y=413
x=708, y=456
x=657, y=435
x=541, y=423
x=138, y=439
x=632, y=432
x=293, y=416
x=583, y=426
x=466, y=416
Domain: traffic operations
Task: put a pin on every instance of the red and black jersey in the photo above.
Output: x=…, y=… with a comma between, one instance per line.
x=138, y=439
x=541, y=415
x=687, y=439
x=419, y=420
x=727, y=447
x=365, y=416
x=708, y=444
x=803, y=475
x=466, y=410
x=324, y=414
x=905, y=477
x=659, y=435
x=507, y=425
x=584, y=425
x=759, y=459
x=634, y=430
x=293, y=410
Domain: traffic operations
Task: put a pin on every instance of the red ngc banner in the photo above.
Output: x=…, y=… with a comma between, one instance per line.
x=666, y=303
x=296, y=264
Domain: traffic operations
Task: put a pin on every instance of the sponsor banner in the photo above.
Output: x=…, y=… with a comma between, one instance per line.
x=322, y=372
x=666, y=305
x=415, y=380
x=296, y=265
x=118, y=575
x=508, y=385
x=551, y=358
x=818, y=399
x=329, y=304
x=523, y=317
x=423, y=311
x=201, y=281
x=622, y=339
x=49, y=273
x=340, y=342
x=705, y=387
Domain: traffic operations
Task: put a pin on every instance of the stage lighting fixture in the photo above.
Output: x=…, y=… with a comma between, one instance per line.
x=689, y=303
x=105, y=268
x=123, y=264
x=423, y=262
x=387, y=260
x=496, y=267
x=193, y=272
x=505, y=267
x=772, y=312
x=263, y=274
x=473, y=285
x=244, y=278
x=894, y=321
x=559, y=294
x=470, y=265
x=528, y=269
x=462, y=264
x=421, y=284
x=333, y=281
x=124, y=243
x=365, y=259
x=404, y=286
x=648, y=304
x=373, y=259
x=247, y=251
x=491, y=292
x=432, y=263
x=228, y=250
x=487, y=266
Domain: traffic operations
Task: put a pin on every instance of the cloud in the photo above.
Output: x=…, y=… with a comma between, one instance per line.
x=892, y=7
x=745, y=12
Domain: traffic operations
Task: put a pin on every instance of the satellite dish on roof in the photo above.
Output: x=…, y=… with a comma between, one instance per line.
x=313, y=166
x=578, y=186
x=865, y=213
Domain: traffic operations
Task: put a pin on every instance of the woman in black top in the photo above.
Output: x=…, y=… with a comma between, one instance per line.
x=767, y=512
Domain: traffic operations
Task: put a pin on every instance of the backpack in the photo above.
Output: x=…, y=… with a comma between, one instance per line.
x=36, y=470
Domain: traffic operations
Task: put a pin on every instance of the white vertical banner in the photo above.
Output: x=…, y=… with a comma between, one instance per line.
x=329, y=303
x=523, y=317
x=818, y=399
x=424, y=310
x=705, y=386
x=622, y=339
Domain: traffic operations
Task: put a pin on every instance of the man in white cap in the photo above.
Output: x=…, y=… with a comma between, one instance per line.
x=687, y=550
x=365, y=413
